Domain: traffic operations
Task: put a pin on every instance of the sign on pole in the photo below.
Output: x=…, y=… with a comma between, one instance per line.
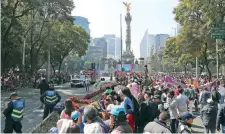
x=218, y=31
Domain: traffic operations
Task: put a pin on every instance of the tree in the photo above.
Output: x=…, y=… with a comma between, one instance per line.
x=196, y=18
x=66, y=38
x=31, y=20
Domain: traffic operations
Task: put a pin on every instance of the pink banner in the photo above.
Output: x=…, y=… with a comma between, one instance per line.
x=171, y=81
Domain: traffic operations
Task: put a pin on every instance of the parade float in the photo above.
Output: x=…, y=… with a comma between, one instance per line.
x=91, y=98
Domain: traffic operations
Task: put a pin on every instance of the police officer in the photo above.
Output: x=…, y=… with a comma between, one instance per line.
x=50, y=98
x=14, y=114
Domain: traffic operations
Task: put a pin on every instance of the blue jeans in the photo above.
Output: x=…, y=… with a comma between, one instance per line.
x=222, y=99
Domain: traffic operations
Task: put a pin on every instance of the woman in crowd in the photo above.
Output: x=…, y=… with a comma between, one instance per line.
x=131, y=106
x=65, y=114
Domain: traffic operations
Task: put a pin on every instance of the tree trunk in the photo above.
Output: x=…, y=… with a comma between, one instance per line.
x=206, y=61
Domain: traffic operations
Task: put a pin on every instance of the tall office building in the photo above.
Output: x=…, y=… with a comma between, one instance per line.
x=160, y=42
x=83, y=22
x=111, y=41
x=151, y=44
x=118, y=48
x=101, y=42
x=144, y=45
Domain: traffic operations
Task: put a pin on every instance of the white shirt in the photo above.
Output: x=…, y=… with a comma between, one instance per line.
x=221, y=90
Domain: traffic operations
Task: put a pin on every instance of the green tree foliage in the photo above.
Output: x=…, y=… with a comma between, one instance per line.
x=194, y=39
x=66, y=38
x=36, y=22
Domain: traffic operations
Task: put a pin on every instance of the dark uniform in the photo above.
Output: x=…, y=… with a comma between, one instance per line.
x=50, y=98
x=43, y=87
x=14, y=114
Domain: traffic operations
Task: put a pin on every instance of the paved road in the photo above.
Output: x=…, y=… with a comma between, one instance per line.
x=33, y=115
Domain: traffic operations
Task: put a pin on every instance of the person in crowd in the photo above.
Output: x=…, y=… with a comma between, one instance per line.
x=43, y=86
x=177, y=90
x=94, y=123
x=164, y=95
x=131, y=106
x=105, y=102
x=182, y=102
x=196, y=100
x=87, y=84
x=14, y=114
x=134, y=89
x=118, y=122
x=208, y=115
x=204, y=96
x=148, y=107
x=222, y=92
x=159, y=125
x=216, y=96
x=185, y=123
x=66, y=113
x=221, y=118
x=190, y=94
x=50, y=98
x=172, y=104
x=76, y=126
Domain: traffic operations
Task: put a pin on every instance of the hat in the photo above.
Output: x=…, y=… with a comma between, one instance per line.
x=108, y=91
x=109, y=107
x=115, y=110
x=75, y=115
x=90, y=112
x=187, y=115
x=156, y=97
x=13, y=94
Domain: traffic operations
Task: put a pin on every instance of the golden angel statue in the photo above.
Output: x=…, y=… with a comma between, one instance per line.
x=127, y=6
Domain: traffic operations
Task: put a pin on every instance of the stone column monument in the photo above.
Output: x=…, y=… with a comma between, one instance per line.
x=128, y=56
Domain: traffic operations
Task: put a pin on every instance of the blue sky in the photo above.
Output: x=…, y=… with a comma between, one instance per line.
x=104, y=18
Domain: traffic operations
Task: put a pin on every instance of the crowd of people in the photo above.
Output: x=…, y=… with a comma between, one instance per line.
x=139, y=104
x=14, y=80
x=146, y=105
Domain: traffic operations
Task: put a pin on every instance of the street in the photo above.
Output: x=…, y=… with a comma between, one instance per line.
x=32, y=114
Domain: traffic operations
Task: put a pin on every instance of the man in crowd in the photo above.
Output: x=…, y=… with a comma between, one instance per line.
x=221, y=118
x=43, y=86
x=186, y=120
x=204, y=96
x=94, y=123
x=118, y=121
x=148, y=107
x=182, y=102
x=208, y=115
x=158, y=126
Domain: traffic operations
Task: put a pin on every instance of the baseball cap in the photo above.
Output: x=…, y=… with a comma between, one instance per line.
x=115, y=110
x=75, y=115
x=187, y=115
x=108, y=91
x=13, y=94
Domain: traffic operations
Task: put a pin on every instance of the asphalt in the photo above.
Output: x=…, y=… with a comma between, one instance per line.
x=32, y=114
